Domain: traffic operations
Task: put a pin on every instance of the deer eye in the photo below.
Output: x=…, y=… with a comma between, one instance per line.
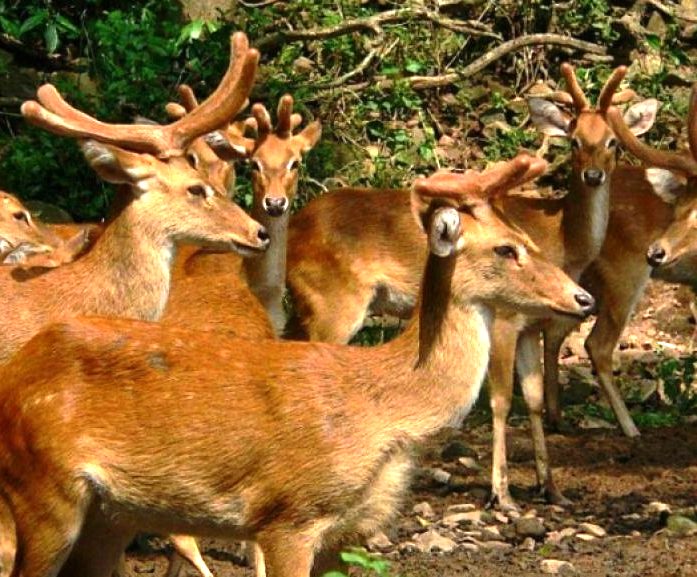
x=293, y=164
x=192, y=159
x=506, y=251
x=611, y=142
x=256, y=165
x=576, y=144
x=20, y=216
x=198, y=190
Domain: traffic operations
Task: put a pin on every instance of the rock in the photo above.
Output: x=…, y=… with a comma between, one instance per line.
x=500, y=517
x=589, y=422
x=490, y=533
x=585, y=537
x=462, y=508
x=494, y=545
x=143, y=567
x=457, y=519
x=592, y=529
x=469, y=463
x=556, y=567
x=433, y=541
x=456, y=449
x=303, y=65
x=529, y=527
x=681, y=525
x=440, y=476
x=528, y=544
x=446, y=141
x=407, y=547
x=424, y=510
x=556, y=537
x=657, y=25
x=379, y=542
x=657, y=507
x=458, y=483
x=473, y=547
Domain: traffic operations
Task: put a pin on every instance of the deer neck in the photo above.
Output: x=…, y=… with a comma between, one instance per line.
x=584, y=223
x=130, y=267
x=442, y=358
x=266, y=273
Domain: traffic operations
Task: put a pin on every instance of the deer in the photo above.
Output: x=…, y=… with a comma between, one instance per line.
x=318, y=450
x=127, y=272
x=374, y=273
x=19, y=231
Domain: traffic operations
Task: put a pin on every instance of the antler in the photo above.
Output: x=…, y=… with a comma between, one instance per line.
x=286, y=120
x=575, y=90
x=608, y=92
x=57, y=116
x=661, y=158
x=479, y=185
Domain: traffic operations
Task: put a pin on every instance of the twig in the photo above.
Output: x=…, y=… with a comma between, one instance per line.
x=365, y=63
x=42, y=60
x=425, y=82
x=257, y=4
x=374, y=24
x=672, y=11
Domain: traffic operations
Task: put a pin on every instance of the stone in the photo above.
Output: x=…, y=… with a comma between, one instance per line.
x=440, y=476
x=303, y=65
x=407, y=547
x=681, y=525
x=433, y=541
x=657, y=507
x=379, y=542
x=500, y=517
x=458, y=483
x=528, y=544
x=457, y=519
x=469, y=463
x=456, y=449
x=589, y=422
x=462, y=508
x=446, y=141
x=529, y=527
x=556, y=567
x=473, y=547
x=494, y=545
x=585, y=537
x=424, y=510
x=592, y=529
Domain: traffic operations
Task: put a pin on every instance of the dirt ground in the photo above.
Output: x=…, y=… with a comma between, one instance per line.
x=612, y=481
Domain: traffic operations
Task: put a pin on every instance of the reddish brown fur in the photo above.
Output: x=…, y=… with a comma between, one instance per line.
x=316, y=451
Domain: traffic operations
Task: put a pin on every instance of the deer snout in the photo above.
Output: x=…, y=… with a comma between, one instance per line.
x=275, y=206
x=586, y=301
x=593, y=176
x=656, y=255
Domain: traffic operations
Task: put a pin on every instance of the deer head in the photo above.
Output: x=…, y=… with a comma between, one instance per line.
x=18, y=230
x=673, y=174
x=495, y=260
x=169, y=193
x=593, y=142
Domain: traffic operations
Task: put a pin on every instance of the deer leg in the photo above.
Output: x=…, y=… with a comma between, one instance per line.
x=340, y=318
x=600, y=345
x=503, y=348
x=258, y=561
x=289, y=554
x=185, y=548
x=554, y=334
x=530, y=374
x=328, y=560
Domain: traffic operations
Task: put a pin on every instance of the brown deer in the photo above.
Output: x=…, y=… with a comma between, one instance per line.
x=127, y=272
x=373, y=272
x=19, y=231
x=318, y=449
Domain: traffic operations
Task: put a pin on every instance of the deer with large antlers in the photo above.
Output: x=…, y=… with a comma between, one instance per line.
x=376, y=272
x=318, y=449
x=127, y=272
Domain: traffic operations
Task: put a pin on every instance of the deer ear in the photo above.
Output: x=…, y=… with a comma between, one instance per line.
x=640, y=117
x=114, y=164
x=666, y=185
x=548, y=118
x=420, y=207
x=444, y=233
x=310, y=135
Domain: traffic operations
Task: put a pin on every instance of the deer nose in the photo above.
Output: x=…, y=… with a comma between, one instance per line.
x=656, y=255
x=585, y=301
x=275, y=206
x=593, y=177
x=263, y=236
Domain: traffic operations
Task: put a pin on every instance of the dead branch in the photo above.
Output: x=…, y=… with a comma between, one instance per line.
x=671, y=10
x=262, y=4
x=374, y=25
x=426, y=82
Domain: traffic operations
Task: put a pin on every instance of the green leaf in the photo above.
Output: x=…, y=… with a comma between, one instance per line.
x=33, y=21
x=654, y=41
x=334, y=574
x=414, y=67
x=51, y=37
x=66, y=25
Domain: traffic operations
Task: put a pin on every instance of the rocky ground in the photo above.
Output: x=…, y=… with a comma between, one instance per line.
x=634, y=501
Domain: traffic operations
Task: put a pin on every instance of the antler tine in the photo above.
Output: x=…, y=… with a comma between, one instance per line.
x=175, y=110
x=284, y=116
x=263, y=119
x=187, y=96
x=692, y=122
x=295, y=121
x=577, y=95
x=624, y=96
x=648, y=155
x=76, y=124
x=452, y=185
x=507, y=175
x=608, y=91
x=226, y=100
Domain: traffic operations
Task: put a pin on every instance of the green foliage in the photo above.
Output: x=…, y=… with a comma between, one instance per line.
x=589, y=18
x=370, y=564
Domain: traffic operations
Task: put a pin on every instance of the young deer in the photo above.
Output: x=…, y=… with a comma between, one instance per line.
x=318, y=449
x=127, y=272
